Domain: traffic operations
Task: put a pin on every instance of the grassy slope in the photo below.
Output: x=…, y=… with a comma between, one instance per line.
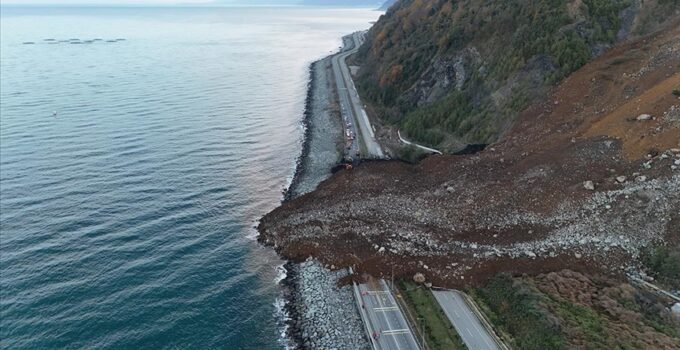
x=515, y=309
x=535, y=315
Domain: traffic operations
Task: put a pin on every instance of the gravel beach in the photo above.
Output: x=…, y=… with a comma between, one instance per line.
x=322, y=147
x=321, y=314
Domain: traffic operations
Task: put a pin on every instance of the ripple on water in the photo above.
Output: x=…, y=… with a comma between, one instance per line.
x=125, y=217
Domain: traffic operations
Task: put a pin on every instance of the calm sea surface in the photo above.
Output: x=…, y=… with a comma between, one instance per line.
x=132, y=172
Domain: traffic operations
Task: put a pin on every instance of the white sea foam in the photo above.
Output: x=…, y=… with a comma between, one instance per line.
x=252, y=233
x=281, y=274
x=282, y=318
x=281, y=314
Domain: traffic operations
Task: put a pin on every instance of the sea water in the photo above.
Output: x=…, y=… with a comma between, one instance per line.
x=138, y=148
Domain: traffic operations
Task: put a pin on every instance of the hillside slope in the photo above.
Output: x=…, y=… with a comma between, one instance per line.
x=569, y=310
x=448, y=73
x=584, y=180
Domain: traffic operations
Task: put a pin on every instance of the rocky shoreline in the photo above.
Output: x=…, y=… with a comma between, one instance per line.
x=323, y=135
x=321, y=315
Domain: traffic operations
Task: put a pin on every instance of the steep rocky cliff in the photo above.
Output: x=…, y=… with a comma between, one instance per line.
x=448, y=72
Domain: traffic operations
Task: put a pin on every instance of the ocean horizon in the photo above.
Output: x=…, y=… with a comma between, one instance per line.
x=139, y=146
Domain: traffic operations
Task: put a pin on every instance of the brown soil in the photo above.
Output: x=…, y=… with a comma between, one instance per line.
x=521, y=205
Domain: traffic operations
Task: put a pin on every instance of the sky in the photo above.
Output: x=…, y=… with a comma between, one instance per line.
x=176, y=2
x=145, y=2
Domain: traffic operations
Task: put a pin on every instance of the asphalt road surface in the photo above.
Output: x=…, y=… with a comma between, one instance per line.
x=469, y=327
x=386, y=322
x=350, y=104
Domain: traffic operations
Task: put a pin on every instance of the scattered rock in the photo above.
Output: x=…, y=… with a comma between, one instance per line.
x=643, y=117
x=589, y=185
x=419, y=278
x=621, y=179
x=676, y=308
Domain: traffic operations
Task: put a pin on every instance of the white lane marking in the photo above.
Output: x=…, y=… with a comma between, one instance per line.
x=386, y=308
x=389, y=325
x=364, y=315
x=374, y=319
x=400, y=317
x=371, y=316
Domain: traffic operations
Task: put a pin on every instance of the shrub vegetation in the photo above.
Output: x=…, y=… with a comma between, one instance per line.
x=508, y=36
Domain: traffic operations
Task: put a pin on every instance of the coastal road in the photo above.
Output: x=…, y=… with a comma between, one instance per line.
x=385, y=321
x=465, y=321
x=350, y=104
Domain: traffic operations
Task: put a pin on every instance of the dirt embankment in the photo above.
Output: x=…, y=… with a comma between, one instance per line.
x=584, y=180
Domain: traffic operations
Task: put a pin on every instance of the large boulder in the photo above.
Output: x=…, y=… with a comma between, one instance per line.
x=419, y=278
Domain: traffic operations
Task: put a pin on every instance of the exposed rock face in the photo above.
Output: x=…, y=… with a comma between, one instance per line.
x=444, y=75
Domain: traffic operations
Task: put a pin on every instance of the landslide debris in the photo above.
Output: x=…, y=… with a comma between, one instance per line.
x=522, y=204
